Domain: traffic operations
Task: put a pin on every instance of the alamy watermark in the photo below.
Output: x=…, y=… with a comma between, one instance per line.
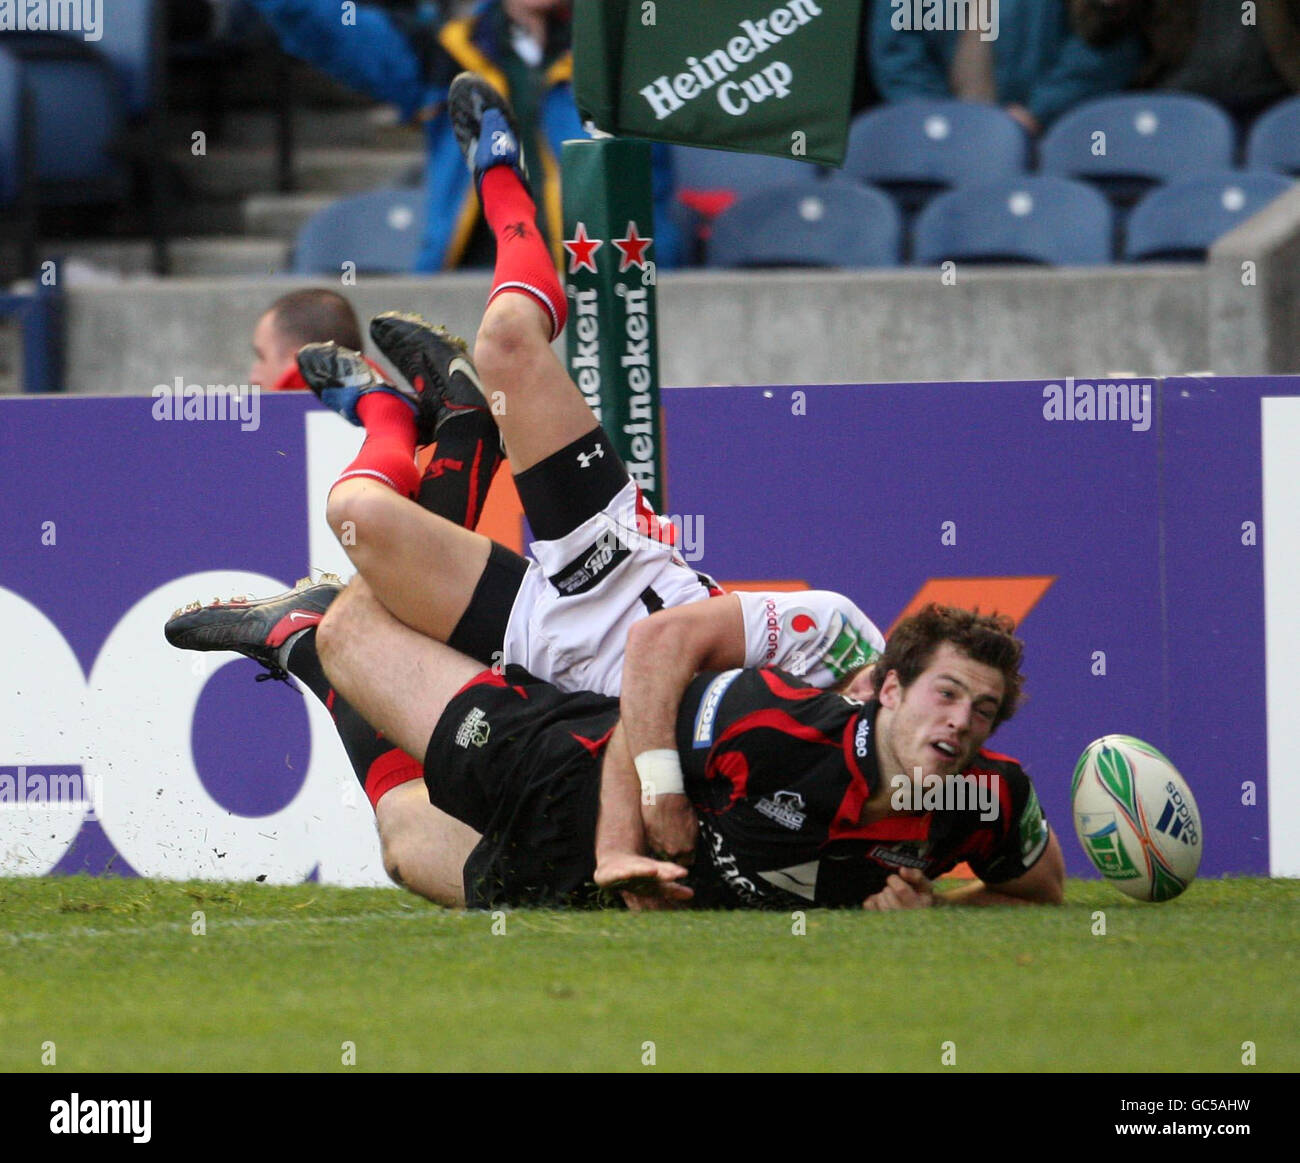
x=221, y=402
x=946, y=16
x=83, y=16
x=52, y=786
x=921, y=792
x=1127, y=402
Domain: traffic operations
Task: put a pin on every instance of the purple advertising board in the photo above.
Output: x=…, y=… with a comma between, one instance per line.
x=1130, y=530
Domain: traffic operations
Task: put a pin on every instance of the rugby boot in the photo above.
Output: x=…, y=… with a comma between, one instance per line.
x=485, y=127
x=435, y=363
x=255, y=628
x=340, y=377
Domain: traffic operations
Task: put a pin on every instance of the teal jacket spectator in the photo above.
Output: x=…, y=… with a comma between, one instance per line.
x=1038, y=61
x=408, y=60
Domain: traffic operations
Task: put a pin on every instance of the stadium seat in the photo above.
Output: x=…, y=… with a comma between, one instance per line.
x=711, y=180
x=379, y=231
x=1149, y=138
x=1028, y=219
x=130, y=42
x=809, y=223
x=1180, y=221
x=915, y=149
x=17, y=195
x=77, y=119
x=1274, y=142
x=12, y=162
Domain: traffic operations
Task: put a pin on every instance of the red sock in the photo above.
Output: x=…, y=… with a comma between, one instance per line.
x=524, y=263
x=388, y=455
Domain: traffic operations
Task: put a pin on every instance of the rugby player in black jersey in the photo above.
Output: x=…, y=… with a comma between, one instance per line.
x=804, y=797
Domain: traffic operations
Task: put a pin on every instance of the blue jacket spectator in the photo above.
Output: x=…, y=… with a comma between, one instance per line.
x=408, y=60
x=1039, y=65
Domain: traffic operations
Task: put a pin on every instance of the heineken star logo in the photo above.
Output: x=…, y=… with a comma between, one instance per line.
x=582, y=250
x=631, y=249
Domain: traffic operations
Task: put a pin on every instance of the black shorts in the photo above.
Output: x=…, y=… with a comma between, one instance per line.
x=518, y=760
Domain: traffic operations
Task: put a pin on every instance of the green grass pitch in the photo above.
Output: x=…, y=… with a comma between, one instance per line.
x=112, y=973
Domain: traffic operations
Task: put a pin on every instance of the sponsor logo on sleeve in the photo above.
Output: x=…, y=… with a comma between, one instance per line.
x=702, y=736
x=1033, y=830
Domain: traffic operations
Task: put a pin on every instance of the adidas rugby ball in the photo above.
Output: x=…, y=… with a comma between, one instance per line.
x=1136, y=818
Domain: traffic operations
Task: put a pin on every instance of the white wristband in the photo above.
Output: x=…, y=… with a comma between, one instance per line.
x=660, y=772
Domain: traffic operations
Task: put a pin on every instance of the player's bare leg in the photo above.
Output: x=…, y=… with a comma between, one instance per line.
x=425, y=567
x=541, y=409
x=424, y=849
x=401, y=681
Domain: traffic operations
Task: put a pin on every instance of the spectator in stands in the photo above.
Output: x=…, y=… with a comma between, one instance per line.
x=1207, y=47
x=309, y=316
x=1036, y=68
x=408, y=58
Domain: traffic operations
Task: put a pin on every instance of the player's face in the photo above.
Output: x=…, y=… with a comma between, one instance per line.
x=273, y=354
x=940, y=721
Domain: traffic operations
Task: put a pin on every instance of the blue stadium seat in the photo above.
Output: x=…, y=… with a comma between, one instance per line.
x=1150, y=138
x=12, y=166
x=379, y=231
x=729, y=175
x=77, y=119
x=1181, y=220
x=809, y=223
x=131, y=43
x=1274, y=142
x=914, y=149
x=1029, y=219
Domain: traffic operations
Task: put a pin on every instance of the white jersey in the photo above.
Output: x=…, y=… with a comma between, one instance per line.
x=582, y=594
x=819, y=636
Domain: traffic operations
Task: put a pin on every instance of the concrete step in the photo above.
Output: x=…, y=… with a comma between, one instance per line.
x=227, y=173
x=189, y=256
x=375, y=127
x=206, y=218
x=280, y=215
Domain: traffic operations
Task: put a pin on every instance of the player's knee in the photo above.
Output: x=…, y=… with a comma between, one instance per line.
x=334, y=630
x=358, y=511
x=510, y=337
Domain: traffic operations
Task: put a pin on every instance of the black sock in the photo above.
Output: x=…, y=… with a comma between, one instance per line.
x=361, y=741
x=456, y=483
x=571, y=486
x=304, y=664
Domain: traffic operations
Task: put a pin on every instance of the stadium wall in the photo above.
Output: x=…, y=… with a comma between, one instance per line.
x=1237, y=314
x=1150, y=557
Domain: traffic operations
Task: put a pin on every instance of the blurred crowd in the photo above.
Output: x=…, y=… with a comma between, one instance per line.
x=1048, y=56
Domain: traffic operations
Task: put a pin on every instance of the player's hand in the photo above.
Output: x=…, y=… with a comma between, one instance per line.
x=644, y=883
x=908, y=888
x=671, y=828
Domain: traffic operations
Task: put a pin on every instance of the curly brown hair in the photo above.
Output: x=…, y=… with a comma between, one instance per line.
x=985, y=638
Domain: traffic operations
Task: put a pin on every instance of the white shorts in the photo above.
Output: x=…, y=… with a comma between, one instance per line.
x=582, y=593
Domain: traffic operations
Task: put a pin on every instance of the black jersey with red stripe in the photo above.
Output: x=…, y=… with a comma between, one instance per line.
x=779, y=771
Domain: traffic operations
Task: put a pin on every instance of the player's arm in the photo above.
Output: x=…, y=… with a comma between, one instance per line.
x=664, y=652
x=620, y=840
x=1044, y=884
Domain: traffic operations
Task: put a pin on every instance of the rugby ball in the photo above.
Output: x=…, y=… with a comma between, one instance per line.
x=1136, y=818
